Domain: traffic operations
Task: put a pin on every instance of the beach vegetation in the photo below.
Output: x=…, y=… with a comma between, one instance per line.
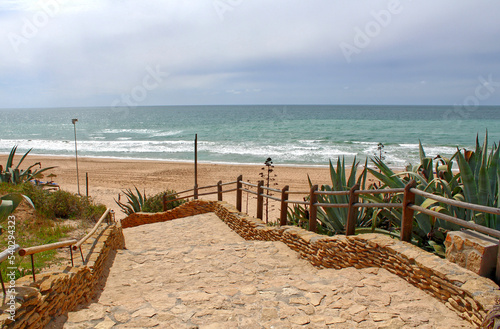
x=135, y=201
x=139, y=202
x=56, y=204
x=477, y=181
x=15, y=175
x=154, y=203
x=428, y=232
x=480, y=178
x=267, y=173
x=40, y=218
x=31, y=229
x=333, y=220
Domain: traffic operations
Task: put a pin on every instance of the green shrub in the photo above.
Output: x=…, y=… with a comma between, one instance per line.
x=65, y=204
x=92, y=211
x=137, y=202
x=58, y=204
x=155, y=203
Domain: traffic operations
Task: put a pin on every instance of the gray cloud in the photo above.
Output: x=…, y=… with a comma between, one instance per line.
x=225, y=52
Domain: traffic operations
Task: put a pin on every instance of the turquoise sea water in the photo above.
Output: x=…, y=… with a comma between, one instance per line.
x=289, y=134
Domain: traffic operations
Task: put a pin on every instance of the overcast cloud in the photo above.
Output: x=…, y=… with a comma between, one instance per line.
x=58, y=53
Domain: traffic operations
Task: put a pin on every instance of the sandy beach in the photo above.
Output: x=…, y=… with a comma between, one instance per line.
x=108, y=177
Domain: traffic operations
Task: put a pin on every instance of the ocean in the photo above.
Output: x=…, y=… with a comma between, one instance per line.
x=289, y=134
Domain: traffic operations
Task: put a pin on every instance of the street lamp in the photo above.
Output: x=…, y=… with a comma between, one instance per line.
x=73, y=121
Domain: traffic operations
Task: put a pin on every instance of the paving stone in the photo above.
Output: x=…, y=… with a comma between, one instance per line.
x=269, y=314
x=145, y=312
x=106, y=324
x=195, y=272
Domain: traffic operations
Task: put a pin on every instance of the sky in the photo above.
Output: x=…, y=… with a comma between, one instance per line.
x=80, y=53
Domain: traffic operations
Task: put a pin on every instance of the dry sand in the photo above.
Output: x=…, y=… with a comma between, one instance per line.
x=108, y=177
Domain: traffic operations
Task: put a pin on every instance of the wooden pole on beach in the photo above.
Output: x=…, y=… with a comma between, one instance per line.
x=196, y=166
x=74, y=121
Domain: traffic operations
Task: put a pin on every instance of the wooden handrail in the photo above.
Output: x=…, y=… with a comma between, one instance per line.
x=190, y=190
x=103, y=217
x=8, y=252
x=208, y=193
x=471, y=206
x=272, y=197
x=331, y=205
x=354, y=193
x=248, y=191
x=297, y=192
x=46, y=247
x=271, y=189
x=458, y=221
x=229, y=183
x=378, y=205
x=248, y=184
x=331, y=192
x=207, y=187
x=297, y=202
x=380, y=191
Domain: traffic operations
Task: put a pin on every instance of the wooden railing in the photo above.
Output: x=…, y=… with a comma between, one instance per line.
x=4, y=255
x=354, y=194
x=73, y=244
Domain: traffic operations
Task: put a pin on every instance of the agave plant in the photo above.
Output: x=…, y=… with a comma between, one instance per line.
x=9, y=203
x=480, y=178
x=15, y=175
x=135, y=201
x=436, y=178
x=333, y=220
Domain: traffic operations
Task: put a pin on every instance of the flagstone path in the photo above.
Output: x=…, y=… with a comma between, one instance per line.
x=195, y=272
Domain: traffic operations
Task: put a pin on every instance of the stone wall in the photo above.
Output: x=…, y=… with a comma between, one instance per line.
x=58, y=292
x=474, y=251
x=192, y=208
x=466, y=293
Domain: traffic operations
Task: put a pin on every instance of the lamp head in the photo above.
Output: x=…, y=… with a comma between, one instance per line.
x=73, y=121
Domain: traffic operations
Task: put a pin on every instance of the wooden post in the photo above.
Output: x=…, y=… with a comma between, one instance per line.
x=407, y=217
x=239, y=186
x=497, y=271
x=219, y=191
x=260, y=199
x=284, y=205
x=353, y=211
x=313, y=209
x=87, y=183
x=196, y=166
x=195, y=192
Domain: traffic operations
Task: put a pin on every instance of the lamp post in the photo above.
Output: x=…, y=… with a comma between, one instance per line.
x=73, y=121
